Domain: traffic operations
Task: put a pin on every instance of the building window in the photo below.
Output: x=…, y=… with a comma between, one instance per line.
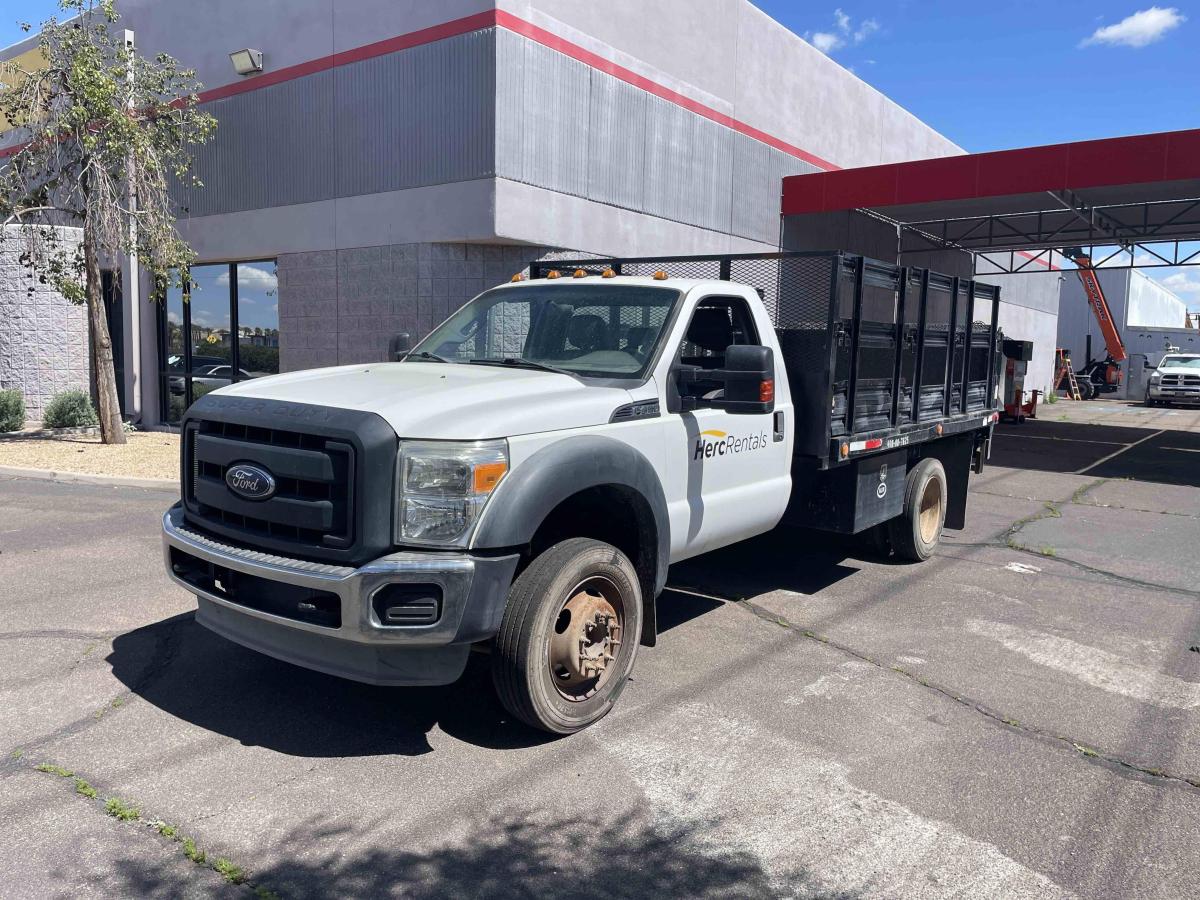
x=221, y=326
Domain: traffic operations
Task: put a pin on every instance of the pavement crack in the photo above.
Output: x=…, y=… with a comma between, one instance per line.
x=1083, y=750
x=126, y=813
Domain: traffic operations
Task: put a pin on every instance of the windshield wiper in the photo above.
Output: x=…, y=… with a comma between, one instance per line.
x=519, y=362
x=426, y=355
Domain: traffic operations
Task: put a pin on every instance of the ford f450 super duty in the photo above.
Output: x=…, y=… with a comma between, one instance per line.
x=522, y=479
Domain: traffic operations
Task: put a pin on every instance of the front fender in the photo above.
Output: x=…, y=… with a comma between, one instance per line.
x=551, y=475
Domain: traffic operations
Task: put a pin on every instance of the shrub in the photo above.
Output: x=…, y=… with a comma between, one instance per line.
x=70, y=409
x=12, y=411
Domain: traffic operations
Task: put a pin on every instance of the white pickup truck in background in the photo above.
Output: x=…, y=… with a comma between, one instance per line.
x=522, y=479
x=1176, y=379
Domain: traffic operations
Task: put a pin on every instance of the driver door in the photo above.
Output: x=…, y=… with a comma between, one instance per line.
x=727, y=476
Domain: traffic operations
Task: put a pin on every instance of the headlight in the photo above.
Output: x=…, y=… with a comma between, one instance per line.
x=1155, y=377
x=443, y=487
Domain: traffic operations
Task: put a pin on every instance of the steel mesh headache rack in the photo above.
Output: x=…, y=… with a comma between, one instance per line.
x=912, y=352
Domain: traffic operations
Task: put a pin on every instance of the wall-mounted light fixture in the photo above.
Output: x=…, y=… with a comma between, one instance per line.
x=246, y=62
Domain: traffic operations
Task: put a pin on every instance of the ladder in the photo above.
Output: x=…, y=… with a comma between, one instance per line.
x=1065, y=372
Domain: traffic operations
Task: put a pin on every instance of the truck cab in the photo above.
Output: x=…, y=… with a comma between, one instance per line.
x=519, y=482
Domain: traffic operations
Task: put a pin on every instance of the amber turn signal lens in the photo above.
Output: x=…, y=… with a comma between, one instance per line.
x=766, y=391
x=845, y=450
x=518, y=277
x=488, y=475
x=660, y=275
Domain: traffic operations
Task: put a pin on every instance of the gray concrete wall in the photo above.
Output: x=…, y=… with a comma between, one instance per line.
x=345, y=306
x=43, y=336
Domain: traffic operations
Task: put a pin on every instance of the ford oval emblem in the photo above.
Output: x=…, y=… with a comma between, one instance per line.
x=250, y=482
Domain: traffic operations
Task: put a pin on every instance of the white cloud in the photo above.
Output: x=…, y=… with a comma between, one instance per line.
x=843, y=34
x=825, y=42
x=1143, y=27
x=1185, y=284
x=865, y=29
x=251, y=278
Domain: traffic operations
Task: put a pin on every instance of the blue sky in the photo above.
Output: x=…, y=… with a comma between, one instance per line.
x=996, y=75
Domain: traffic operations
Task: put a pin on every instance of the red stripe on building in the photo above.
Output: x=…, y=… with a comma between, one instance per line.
x=517, y=25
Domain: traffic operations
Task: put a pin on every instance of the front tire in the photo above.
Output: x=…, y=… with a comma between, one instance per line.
x=915, y=532
x=569, y=636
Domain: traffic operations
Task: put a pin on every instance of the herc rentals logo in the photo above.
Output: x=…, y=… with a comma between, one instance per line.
x=720, y=443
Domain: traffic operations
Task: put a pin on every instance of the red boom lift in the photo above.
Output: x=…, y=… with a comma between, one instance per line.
x=1097, y=376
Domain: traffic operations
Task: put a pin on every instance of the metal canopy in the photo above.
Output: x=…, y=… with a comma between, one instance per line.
x=1131, y=201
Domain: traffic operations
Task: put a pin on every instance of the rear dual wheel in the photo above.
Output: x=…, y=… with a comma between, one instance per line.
x=569, y=636
x=915, y=533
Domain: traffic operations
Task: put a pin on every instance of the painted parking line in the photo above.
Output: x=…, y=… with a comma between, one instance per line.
x=1117, y=453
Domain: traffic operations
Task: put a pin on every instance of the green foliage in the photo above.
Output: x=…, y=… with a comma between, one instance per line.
x=167, y=831
x=233, y=874
x=69, y=409
x=192, y=852
x=82, y=787
x=121, y=810
x=178, y=401
x=101, y=123
x=12, y=410
x=52, y=769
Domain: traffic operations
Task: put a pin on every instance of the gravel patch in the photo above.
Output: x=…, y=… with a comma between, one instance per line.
x=150, y=454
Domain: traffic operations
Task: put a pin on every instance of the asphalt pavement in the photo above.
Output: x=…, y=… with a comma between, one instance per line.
x=1017, y=717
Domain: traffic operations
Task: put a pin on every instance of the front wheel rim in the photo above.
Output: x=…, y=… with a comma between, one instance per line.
x=585, y=639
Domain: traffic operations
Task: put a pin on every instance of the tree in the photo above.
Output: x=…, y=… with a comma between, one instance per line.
x=103, y=131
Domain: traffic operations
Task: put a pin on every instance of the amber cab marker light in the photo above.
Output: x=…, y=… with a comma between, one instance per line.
x=554, y=273
x=608, y=273
x=518, y=277
x=766, y=391
x=660, y=275
x=580, y=273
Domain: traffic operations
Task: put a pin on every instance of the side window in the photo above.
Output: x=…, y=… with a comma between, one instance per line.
x=717, y=323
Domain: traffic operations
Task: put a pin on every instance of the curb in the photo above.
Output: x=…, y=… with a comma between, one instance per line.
x=159, y=484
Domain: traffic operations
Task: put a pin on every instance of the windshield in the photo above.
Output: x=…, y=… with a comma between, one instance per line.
x=1186, y=362
x=607, y=331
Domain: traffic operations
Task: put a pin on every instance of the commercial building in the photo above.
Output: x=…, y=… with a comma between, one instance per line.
x=390, y=160
x=1149, y=316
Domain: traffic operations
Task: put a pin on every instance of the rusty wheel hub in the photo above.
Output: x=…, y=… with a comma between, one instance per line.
x=587, y=637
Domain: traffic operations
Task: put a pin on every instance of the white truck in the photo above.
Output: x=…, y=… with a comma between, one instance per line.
x=521, y=480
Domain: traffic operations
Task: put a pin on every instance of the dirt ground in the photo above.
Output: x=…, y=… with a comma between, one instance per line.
x=149, y=454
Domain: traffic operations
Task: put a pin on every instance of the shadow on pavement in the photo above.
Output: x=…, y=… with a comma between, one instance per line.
x=1103, y=451
x=622, y=857
x=191, y=673
x=787, y=559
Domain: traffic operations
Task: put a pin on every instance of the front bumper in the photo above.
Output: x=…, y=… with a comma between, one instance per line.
x=1179, y=393
x=354, y=643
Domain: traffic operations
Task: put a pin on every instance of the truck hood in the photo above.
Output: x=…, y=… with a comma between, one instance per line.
x=1178, y=370
x=446, y=401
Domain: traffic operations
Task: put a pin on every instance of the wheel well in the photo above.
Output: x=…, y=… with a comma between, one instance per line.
x=612, y=513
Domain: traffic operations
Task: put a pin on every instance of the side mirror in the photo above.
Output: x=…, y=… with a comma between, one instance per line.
x=748, y=381
x=749, y=377
x=400, y=344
